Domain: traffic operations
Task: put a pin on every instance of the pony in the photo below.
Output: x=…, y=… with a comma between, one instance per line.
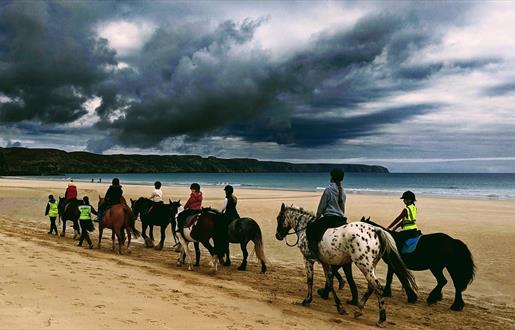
x=71, y=212
x=356, y=242
x=155, y=214
x=435, y=252
x=118, y=218
x=210, y=224
x=242, y=231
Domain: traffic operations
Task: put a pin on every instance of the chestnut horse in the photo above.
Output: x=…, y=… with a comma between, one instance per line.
x=118, y=218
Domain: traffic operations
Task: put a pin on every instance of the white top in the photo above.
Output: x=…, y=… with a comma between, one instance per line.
x=157, y=195
x=225, y=204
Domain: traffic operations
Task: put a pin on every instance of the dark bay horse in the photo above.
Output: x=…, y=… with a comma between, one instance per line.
x=436, y=252
x=242, y=231
x=155, y=214
x=209, y=225
x=118, y=218
x=70, y=212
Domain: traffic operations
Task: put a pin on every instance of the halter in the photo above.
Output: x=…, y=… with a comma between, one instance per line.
x=294, y=232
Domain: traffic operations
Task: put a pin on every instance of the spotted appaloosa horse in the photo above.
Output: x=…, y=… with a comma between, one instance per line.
x=355, y=242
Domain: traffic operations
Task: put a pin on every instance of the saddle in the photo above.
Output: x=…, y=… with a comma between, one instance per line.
x=410, y=245
x=191, y=220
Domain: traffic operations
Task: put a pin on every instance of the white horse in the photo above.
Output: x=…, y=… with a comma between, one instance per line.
x=355, y=242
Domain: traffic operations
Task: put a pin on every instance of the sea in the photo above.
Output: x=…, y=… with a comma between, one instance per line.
x=498, y=186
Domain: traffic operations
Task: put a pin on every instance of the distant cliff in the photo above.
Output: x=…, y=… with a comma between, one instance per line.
x=23, y=161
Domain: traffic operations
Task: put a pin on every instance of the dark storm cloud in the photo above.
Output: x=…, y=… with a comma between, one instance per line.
x=195, y=80
x=49, y=60
x=500, y=89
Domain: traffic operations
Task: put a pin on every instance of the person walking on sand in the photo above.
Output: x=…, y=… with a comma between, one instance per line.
x=86, y=223
x=192, y=206
x=330, y=212
x=407, y=220
x=52, y=211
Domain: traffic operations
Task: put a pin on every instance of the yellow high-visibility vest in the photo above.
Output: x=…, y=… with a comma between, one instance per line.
x=52, y=210
x=85, y=212
x=410, y=221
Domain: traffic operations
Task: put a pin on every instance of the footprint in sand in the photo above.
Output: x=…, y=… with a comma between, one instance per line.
x=100, y=306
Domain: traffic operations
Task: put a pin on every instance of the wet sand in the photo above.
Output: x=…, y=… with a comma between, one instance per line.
x=49, y=282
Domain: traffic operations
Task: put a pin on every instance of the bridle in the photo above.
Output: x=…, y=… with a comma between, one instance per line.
x=294, y=232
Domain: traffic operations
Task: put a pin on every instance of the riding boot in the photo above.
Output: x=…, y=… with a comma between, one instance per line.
x=313, y=248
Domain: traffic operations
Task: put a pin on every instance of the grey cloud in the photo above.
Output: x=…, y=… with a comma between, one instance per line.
x=500, y=89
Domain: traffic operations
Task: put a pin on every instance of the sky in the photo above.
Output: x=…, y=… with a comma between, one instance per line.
x=413, y=86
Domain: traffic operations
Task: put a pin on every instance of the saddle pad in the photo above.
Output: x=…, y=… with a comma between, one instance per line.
x=190, y=221
x=410, y=245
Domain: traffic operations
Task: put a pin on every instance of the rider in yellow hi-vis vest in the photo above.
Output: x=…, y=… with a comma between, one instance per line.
x=86, y=224
x=407, y=220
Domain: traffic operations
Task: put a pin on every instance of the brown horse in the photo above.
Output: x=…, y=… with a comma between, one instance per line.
x=117, y=218
x=209, y=225
x=70, y=212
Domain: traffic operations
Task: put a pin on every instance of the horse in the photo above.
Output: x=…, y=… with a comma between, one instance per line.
x=117, y=218
x=155, y=214
x=435, y=252
x=209, y=225
x=356, y=242
x=71, y=212
x=243, y=230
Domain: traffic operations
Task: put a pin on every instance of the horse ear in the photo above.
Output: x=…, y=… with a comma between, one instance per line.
x=99, y=197
x=169, y=201
x=283, y=207
x=362, y=219
x=132, y=201
x=368, y=219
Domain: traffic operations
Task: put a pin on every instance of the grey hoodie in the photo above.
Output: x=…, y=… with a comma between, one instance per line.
x=329, y=202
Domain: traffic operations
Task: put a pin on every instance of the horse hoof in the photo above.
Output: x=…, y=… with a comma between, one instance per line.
x=323, y=293
x=387, y=294
x=158, y=248
x=306, y=302
x=353, y=302
x=434, y=298
x=358, y=314
x=263, y=269
x=457, y=307
x=242, y=268
x=62, y=234
x=190, y=268
x=196, y=265
x=380, y=324
x=412, y=299
x=341, y=310
x=227, y=263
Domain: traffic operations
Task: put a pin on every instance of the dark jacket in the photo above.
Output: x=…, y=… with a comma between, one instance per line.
x=113, y=195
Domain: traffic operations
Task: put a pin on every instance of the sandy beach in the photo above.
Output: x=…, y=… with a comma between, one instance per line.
x=48, y=282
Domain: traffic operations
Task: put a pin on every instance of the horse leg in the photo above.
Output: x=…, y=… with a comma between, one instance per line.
x=309, y=279
x=329, y=274
x=227, y=262
x=243, y=246
x=112, y=237
x=144, y=226
x=458, y=303
x=197, y=253
x=387, y=292
x=214, y=259
x=151, y=233
x=64, y=228
x=100, y=230
x=128, y=230
x=163, y=236
x=76, y=230
x=436, y=293
x=185, y=252
x=347, y=269
x=373, y=286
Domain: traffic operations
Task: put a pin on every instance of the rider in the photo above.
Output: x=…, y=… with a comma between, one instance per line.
x=192, y=206
x=52, y=212
x=85, y=221
x=407, y=220
x=71, y=193
x=157, y=194
x=230, y=202
x=112, y=197
x=330, y=212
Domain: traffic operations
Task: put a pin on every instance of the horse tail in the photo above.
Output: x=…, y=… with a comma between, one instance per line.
x=258, y=244
x=389, y=247
x=132, y=221
x=461, y=265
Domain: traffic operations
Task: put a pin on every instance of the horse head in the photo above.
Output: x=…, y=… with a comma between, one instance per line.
x=174, y=208
x=283, y=226
x=100, y=201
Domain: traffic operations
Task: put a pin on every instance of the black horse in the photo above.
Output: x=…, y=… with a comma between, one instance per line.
x=242, y=231
x=436, y=252
x=71, y=212
x=155, y=214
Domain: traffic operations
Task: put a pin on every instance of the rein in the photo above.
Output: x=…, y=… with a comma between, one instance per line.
x=294, y=232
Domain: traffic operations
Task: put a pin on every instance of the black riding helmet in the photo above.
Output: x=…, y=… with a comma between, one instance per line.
x=195, y=186
x=408, y=195
x=337, y=174
x=157, y=184
x=229, y=189
x=116, y=182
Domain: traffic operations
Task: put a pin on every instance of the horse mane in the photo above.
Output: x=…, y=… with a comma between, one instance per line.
x=301, y=210
x=370, y=222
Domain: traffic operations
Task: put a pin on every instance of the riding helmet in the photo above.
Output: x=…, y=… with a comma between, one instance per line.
x=408, y=195
x=195, y=186
x=116, y=182
x=337, y=174
x=229, y=189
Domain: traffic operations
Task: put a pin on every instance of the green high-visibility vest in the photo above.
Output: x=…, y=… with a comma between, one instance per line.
x=52, y=210
x=85, y=212
x=410, y=221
